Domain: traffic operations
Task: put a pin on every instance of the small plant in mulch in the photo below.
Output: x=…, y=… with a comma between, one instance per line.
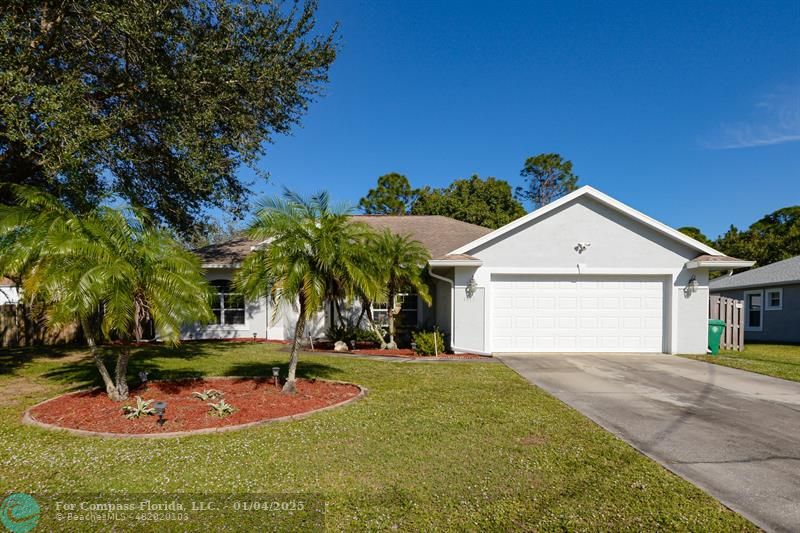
x=221, y=409
x=142, y=408
x=209, y=394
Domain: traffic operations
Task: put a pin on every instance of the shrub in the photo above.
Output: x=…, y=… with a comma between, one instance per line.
x=349, y=333
x=428, y=342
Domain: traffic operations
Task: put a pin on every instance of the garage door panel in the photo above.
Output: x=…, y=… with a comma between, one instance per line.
x=566, y=314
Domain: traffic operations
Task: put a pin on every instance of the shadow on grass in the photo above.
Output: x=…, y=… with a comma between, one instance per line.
x=83, y=372
x=751, y=359
x=264, y=370
x=13, y=358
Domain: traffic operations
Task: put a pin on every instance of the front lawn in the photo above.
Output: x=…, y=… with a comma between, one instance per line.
x=778, y=360
x=452, y=446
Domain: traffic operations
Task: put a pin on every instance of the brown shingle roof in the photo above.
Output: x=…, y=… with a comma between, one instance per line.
x=226, y=253
x=438, y=234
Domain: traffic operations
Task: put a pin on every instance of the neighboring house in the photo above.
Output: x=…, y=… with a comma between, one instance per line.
x=771, y=296
x=585, y=273
x=9, y=294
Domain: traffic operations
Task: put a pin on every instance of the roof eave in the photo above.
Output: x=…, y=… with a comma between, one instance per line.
x=756, y=285
x=455, y=262
x=719, y=265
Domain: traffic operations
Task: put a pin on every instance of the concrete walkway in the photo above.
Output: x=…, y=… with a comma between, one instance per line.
x=733, y=433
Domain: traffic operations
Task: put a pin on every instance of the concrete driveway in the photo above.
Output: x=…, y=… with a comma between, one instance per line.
x=733, y=433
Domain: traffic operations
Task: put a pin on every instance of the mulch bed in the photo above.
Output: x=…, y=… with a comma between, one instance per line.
x=408, y=354
x=254, y=399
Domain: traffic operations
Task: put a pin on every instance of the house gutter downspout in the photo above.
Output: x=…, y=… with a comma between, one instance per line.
x=452, y=304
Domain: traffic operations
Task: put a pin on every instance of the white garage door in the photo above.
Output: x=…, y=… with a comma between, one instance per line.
x=577, y=314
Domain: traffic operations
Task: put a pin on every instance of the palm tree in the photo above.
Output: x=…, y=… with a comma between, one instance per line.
x=311, y=252
x=401, y=262
x=111, y=270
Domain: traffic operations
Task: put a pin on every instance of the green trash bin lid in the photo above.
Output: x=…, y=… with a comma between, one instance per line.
x=716, y=322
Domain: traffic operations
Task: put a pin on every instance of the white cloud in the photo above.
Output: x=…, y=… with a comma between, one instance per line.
x=775, y=120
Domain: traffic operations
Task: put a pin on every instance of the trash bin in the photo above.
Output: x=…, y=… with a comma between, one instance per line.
x=715, y=329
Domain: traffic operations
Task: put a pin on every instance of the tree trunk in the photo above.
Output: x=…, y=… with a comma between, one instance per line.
x=111, y=390
x=338, y=310
x=390, y=312
x=121, y=374
x=364, y=305
x=138, y=312
x=289, y=386
x=366, y=310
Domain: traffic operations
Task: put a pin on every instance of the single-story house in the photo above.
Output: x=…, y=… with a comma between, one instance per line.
x=237, y=318
x=771, y=296
x=585, y=273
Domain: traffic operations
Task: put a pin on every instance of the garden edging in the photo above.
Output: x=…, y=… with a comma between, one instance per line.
x=28, y=419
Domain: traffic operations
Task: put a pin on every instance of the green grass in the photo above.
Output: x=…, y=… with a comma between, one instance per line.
x=453, y=446
x=778, y=360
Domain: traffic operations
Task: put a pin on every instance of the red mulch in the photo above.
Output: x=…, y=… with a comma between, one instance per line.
x=259, y=340
x=407, y=353
x=254, y=400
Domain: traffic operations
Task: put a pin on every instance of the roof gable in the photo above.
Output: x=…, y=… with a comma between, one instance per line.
x=590, y=192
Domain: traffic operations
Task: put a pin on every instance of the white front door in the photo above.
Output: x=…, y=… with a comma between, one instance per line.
x=577, y=314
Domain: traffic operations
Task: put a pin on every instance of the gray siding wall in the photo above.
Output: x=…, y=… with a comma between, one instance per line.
x=778, y=326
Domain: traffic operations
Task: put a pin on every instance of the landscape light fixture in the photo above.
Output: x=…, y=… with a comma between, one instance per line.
x=276, y=370
x=254, y=336
x=143, y=378
x=160, y=408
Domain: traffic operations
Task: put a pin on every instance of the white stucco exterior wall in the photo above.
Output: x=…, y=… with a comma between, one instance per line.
x=619, y=245
x=259, y=319
x=9, y=295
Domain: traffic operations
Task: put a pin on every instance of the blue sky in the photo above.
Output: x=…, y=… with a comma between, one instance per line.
x=687, y=111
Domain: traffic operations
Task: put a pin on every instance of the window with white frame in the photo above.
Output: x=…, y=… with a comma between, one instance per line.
x=753, y=310
x=407, y=317
x=227, y=305
x=774, y=299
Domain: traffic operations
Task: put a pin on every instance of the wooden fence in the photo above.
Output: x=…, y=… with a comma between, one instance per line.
x=732, y=312
x=17, y=329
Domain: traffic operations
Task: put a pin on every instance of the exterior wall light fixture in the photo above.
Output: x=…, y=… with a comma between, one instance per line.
x=471, y=288
x=691, y=287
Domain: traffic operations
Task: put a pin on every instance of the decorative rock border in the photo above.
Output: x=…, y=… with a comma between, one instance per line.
x=28, y=419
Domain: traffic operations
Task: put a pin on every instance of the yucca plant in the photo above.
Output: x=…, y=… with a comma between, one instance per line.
x=142, y=408
x=111, y=270
x=221, y=409
x=310, y=247
x=210, y=394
